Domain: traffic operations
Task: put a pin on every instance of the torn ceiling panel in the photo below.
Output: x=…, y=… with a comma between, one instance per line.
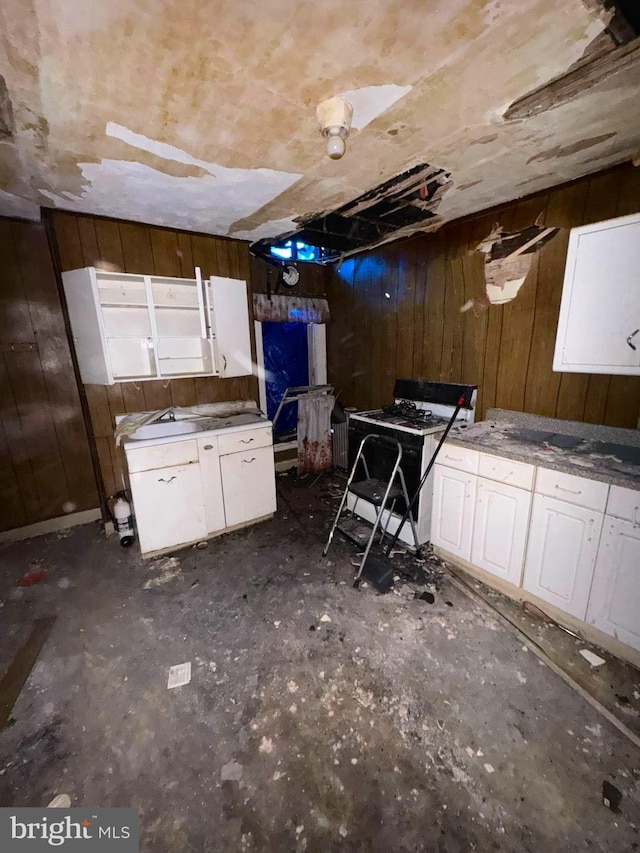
x=405, y=202
x=216, y=105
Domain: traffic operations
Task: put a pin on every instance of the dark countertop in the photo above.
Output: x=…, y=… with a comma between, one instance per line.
x=608, y=454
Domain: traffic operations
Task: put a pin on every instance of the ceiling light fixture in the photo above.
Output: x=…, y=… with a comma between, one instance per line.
x=334, y=117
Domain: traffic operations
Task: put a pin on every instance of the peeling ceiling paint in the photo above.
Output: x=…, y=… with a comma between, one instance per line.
x=372, y=101
x=200, y=114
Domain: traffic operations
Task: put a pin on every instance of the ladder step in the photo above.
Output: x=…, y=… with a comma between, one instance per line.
x=373, y=491
x=355, y=529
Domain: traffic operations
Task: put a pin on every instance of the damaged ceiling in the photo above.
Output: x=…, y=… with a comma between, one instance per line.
x=200, y=114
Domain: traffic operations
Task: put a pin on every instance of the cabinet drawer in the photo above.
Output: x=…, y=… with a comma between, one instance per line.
x=624, y=503
x=234, y=442
x=506, y=471
x=162, y=455
x=460, y=458
x=573, y=490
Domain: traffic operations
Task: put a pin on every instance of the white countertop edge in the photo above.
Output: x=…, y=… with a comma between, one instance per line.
x=131, y=444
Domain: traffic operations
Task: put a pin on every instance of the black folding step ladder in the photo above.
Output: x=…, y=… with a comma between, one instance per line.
x=383, y=494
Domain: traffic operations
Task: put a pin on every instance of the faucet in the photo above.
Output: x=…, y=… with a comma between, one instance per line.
x=169, y=415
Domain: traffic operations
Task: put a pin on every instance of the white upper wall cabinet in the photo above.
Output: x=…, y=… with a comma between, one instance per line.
x=136, y=327
x=599, y=325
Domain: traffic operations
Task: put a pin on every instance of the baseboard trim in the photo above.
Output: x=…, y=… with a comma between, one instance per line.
x=51, y=525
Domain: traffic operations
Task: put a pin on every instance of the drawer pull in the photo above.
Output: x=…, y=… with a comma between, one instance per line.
x=208, y=447
x=246, y=441
x=162, y=480
x=569, y=491
x=453, y=458
x=253, y=459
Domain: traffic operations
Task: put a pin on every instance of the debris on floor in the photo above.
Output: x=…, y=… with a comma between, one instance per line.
x=611, y=796
x=169, y=570
x=60, y=801
x=592, y=658
x=179, y=675
x=33, y=577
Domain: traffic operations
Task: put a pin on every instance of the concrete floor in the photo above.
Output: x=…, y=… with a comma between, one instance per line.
x=317, y=718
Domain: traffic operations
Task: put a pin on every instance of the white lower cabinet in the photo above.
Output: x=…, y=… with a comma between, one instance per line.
x=454, y=494
x=248, y=485
x=561, y=555
x=169, y=506
x=614, y=604
x=185, y=491
x=500, y=529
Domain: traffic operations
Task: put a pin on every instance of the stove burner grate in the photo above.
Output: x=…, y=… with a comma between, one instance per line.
x=408, y=410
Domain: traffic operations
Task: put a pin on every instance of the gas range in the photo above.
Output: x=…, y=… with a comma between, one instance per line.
x=398, y=416
x=422, y=407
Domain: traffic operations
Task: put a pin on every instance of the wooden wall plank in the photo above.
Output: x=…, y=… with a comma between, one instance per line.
x=15, y=320
x=12, y=509
x=136, y=248
x=18, y=455
x=164, y=248
x=109, y=244
x=56, y=365
x=37, y=425
x=47, y=469
x=433, y=309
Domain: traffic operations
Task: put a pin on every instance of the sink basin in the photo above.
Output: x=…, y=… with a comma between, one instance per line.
x=164, y=429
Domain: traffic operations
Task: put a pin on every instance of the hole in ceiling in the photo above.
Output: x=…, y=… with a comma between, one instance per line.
x=624, y=25
x=7, y=125
x=402, y=204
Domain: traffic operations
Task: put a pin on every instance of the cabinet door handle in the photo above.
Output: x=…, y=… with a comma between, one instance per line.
x=569, y=491
x=162, y=480
x=590, y=530
x=253, y=459
x=247, y=441
x=629, y=339
x=224, y=361
x=208, y=447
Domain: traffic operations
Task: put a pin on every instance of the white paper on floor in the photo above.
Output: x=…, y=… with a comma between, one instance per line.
x=179, y=674
x=590, y=657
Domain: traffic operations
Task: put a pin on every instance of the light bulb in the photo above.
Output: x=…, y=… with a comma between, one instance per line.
x=335, y=144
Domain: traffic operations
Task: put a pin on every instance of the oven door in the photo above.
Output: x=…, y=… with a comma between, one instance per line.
x=381, y=457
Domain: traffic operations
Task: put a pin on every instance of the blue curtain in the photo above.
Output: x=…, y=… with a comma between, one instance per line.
x=286, y=363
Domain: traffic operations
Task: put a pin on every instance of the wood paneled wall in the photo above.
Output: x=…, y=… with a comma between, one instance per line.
x=84, y=241
x=45, y=461
x=395, y=313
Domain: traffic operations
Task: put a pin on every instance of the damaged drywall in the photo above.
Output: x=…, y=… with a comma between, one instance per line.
x=507, y=261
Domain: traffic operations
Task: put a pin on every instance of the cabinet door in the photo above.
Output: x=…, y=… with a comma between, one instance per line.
x=600, y=306
x=168, y=506
x=563, y=542
x=248, y=484
x=454, y=494
x=614, y=603
x=211, y=484
x=230, y=322
x=500, y=529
